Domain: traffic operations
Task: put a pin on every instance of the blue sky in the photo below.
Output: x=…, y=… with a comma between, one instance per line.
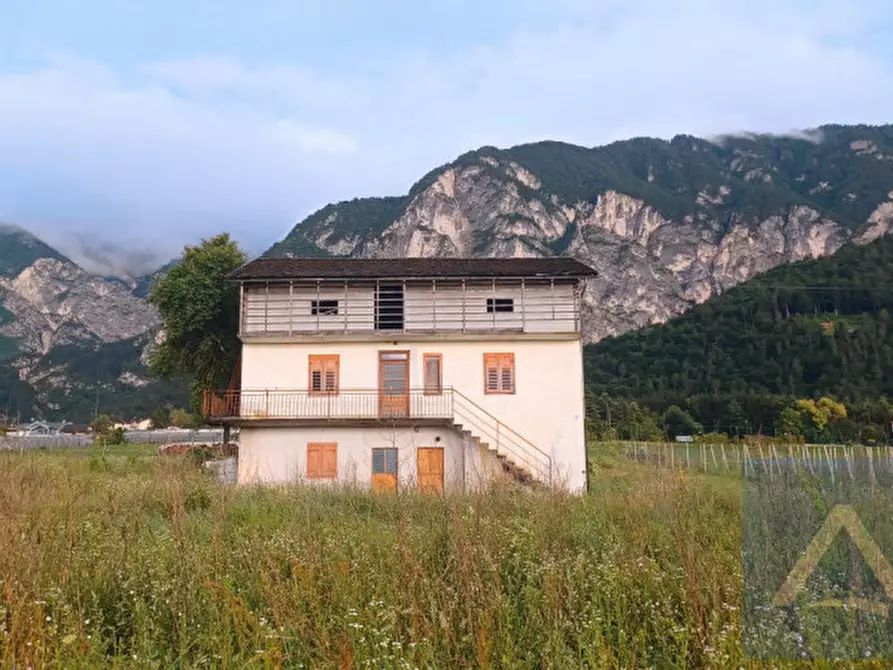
x=156, y=123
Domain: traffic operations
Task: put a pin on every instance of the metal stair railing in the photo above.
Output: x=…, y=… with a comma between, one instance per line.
x=505, y=441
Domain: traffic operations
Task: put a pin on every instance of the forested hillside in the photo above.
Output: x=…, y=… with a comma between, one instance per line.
x=735, y=363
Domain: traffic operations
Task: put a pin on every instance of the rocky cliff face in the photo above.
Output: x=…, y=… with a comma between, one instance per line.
x=68, y=337
x=666, y=225
x=54, y=302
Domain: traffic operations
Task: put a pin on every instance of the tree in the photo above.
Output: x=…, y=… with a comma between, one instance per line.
x=790, y=422
x=183, y=419
x=679, y=422
x=104, y=431
x=822, y=411
x=199, y=309
x=101, y=424
x=161, y=418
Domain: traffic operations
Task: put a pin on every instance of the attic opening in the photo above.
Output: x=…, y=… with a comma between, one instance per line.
x=324, y=307
x=389, y=306
x=497, y=305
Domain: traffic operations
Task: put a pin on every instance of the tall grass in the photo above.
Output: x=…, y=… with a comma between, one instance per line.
x=145, y=562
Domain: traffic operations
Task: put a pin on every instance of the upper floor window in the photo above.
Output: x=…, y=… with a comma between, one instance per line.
x=389, y=307
x=324, y=373
x=496, y=305
x=324, y=308
x=499, y=373
x=433, y=374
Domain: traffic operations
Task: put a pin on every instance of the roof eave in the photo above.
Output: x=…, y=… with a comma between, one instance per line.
x=581, y=275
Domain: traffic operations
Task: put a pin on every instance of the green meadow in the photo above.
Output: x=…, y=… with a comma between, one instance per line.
x=124, y=558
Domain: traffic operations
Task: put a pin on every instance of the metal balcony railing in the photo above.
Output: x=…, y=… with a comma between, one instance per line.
x=340, y=405
x=377, y=405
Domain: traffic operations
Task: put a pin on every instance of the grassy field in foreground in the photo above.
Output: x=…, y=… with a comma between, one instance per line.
x=135, y=560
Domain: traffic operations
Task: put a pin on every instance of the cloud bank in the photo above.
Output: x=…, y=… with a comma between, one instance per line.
x=169, y=150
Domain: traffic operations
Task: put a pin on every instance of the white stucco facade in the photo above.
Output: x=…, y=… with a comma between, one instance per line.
x=279, y=455
x=546, y=407
x=338, y=358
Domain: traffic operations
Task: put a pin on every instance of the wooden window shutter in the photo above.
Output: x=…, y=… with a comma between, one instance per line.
x=324, y=373
x=330, y=461
x=499, y=373
x=322, y=460
x=316, y=381
x=433, y=374
x=313, y=461
x=507, y=377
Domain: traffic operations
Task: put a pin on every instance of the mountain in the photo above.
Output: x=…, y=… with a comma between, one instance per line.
x=19, y=249
x=68, y=336
x=667, y=224
x=818, y=327
x=143, y=283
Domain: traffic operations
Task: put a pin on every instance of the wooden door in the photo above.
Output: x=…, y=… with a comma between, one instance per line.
x=430, y=469
x=384, y=470
x=393, y=384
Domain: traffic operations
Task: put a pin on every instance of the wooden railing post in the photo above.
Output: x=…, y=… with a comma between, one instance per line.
x=523, y=304
x=464, y=294
x=291, y=308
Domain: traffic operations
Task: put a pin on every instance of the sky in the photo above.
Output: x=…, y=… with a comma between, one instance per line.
x=150, y=125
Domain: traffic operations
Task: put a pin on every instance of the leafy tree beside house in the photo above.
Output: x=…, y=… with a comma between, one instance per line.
x=199, y=309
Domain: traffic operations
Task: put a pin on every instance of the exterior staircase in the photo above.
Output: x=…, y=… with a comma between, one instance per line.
x=518, y=457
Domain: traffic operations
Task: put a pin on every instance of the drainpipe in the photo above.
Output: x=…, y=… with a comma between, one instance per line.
x=586, y=461
x=464, y=455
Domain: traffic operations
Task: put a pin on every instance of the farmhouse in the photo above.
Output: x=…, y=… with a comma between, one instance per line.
x=429, y=373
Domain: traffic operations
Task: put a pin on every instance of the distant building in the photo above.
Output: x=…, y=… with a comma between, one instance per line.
x=145, y=424
x=42, y=428
x=420, y=372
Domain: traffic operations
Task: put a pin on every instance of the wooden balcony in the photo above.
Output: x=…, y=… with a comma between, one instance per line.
x=298, y=309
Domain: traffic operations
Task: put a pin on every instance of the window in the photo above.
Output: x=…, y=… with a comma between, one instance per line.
x=322, y=460
x=389, y=307
x=323, y=374
x=384, y=461
x=497, y=305
x=499, y=373
x=324, y=308
x=433, y=374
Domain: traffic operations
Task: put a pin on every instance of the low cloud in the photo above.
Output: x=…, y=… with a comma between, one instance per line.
x=813, y=135
x=108, y=259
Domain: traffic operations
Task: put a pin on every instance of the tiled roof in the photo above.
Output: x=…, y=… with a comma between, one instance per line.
x=405, y=268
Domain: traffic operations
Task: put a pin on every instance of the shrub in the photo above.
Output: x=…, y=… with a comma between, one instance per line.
x=112, y=436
